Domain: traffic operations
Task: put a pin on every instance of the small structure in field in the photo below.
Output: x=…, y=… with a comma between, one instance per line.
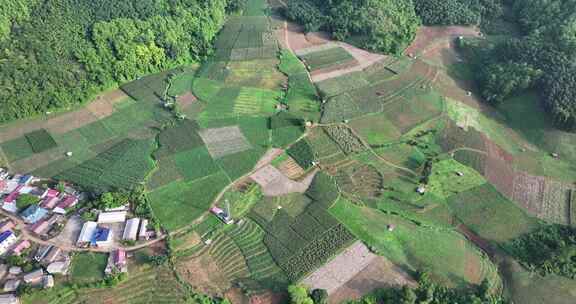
x=390, y=227
x=421, y=189
x=222, y=215
x=459, y=173
x=555, y=155
x=131, y=229
x=69, y=153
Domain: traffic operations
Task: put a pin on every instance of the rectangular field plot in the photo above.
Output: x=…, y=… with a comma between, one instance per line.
x=336, y=86
x=327, y=58
x=179, y=203
x=17, y=148
x=490, y=215
x=195, y=163
x=375, y=129
x=410, y=112
x=40, y=140
x=179, y=138
x=224, y=141
x=252, y=101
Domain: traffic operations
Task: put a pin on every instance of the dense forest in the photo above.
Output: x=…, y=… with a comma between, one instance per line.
x=58, y=53
x=385, y=25
x=457, y=12
x=426, y=292
x=551, y=249
x=541, y=56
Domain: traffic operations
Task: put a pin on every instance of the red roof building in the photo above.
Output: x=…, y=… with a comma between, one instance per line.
x=21, y=246
x=6, y=225
x=49, y=202
x=40, y=227
x=13, y=196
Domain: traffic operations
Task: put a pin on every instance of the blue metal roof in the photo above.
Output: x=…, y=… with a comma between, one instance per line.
x=4, y=235
x=100, y=235
x=33, y=213
x=25, y=179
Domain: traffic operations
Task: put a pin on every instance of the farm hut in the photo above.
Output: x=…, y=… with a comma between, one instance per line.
x=49, y=202
x=131, y=229
x=421, y=189
x=112, y=217
x=102, y=237
x=390, y=227
x=68, y=202
x=20, y=247
x=6, y=225
x=47, y=281
x=143, y=228
x=11, y=285
x=53, y=255
x=33, y=214
x=86, y=233
x=7, y=239
x=15, y=270
x=40, y=227
x=9, y=299
x=60, y=267
x=34, y=276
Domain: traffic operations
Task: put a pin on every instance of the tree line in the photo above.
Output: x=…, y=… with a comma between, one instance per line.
x=55, y=54
x=385, y=25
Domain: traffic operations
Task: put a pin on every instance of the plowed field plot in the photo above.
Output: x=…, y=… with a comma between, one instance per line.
x=472, y=159
x=252, y=101
x=341, y=269
x=291, y=169
x=274, y=183
x=529, y=192
x=224, y=141
x=501, y=175
x=360, y=180
x=331, y=57
x=494, y=150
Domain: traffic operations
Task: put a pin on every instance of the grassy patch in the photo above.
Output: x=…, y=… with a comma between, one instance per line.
x=181, y=137
x=179, y=203
x=195, y=163
x=40, y=140
x=490, y=215
x=445, y=182
x=375, y=129
x=446, y=254
x=326, y=58
x=88, y=267
x=238, y=164
x=17, y=148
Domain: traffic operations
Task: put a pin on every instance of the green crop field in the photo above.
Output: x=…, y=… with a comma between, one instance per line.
x=327, y=58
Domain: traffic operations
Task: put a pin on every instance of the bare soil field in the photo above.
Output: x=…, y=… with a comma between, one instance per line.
x=204, y=275
x=186, y=100
x=341, y=269
x=224, y=141
x=291, y=169
x=428, y=35
x=297, y=39
x=379, y=273
x=274, y=183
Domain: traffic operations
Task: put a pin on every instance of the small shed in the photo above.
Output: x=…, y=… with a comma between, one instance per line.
x=112, y=217
x=15, y=270
x=143, y=228
x=47, y=281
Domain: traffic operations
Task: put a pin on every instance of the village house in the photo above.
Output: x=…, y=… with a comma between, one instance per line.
x=131, y=229
x=15, y=270
x=34, y=276
x=49, y=202
x=86, y=234
x=117, y=262
x=11, y=285
x=68, y=202
x=3, y=270
x=6, y=225
x=7, y=239
x=33, y=214
x=9, y=299
x=40, y=227
x=54, y=254
x=41, y=252
x=60, y=267
x=20, y=247
x=112, y=217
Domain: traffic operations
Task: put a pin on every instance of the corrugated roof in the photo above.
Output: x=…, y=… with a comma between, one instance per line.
x=4, y=235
